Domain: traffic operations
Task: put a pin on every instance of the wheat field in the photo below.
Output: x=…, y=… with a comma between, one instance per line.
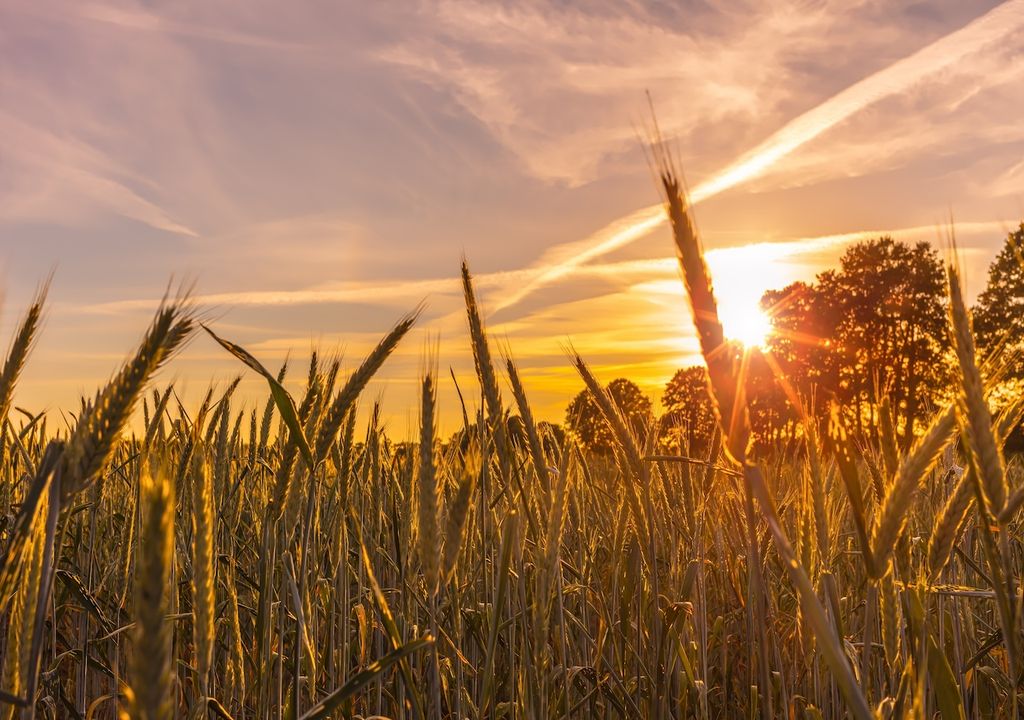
x=287, y=562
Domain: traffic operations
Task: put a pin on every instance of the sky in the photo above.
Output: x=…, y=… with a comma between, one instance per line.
x=316, y=169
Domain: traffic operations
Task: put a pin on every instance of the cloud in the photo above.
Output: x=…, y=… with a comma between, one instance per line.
x=138, y=19
x=895, y=79
x=62, y=180
x=562, y=87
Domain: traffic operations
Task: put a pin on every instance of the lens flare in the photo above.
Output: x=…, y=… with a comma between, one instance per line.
x=749, y=325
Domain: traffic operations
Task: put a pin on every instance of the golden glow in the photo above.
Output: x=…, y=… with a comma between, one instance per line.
x=749, y=325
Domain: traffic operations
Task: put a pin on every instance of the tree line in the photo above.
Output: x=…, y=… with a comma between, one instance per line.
x=865, y=346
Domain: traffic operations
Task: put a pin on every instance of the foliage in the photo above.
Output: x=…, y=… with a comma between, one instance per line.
x=999, y=311
x=873, y=328
x=689, y=420
x=584, y=419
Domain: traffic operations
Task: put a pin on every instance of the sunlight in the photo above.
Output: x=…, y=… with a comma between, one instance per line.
x=750, y=325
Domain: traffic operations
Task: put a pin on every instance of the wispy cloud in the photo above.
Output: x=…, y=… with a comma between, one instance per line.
x=60, y=178
x=559, y=85
x=740, y=270
x=894, y=79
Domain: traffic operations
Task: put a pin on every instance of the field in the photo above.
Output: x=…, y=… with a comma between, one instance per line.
x=284, y=563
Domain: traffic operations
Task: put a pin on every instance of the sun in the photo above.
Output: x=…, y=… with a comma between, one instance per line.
x=749, y=325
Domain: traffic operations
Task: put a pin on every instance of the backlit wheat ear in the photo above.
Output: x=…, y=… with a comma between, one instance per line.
x=92, y=442
x=16, y=662
x=458, y=515
x=492, y=398
x=21, y=346
x=349, y=393
x=268, y=411
x=816, y=479
x=719, y=355
x=236, y=680
x=610, y=412
x=897, y=504
x=978, y=419
x=203, y=600
x=626, y=442
x=556, y=519
x=536, y=451
x=485, y=370
x=429, y=537
x=481, y=348
x=890, y=617
x=950, y=521
x=152, y=676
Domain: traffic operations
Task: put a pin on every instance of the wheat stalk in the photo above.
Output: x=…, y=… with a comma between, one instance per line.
x=980, y=435
x=151, y=694
x=203, y=599
x=429, y=538
x=900, y=497
x=91, y=444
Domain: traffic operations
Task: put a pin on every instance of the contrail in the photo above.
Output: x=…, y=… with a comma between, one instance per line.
x=896, y=78
x=401, y=293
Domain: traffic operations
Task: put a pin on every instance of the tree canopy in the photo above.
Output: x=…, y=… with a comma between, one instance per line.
x=873, y=328
x=583, y=417
x=689, y=420
x=999, y=312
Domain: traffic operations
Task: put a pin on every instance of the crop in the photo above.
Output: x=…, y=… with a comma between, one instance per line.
x=209, y=566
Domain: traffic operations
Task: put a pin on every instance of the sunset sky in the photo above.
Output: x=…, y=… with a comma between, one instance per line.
x=317, y=169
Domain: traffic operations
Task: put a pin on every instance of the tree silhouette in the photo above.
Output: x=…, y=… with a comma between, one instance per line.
x=999, y=313
x=804, y=323
x=584, y=418
x=999, y=322
x=873, y=328
x=773, y=420
x=689, y=420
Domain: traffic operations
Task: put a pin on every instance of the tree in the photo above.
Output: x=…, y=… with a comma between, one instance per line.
x=873, y=328
x=999, y=322
x=999, y=312
x=583, y=417
x=773, y=419
x=804, y=325
x=689, y=420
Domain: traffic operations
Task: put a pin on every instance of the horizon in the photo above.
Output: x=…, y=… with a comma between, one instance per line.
x=306, y=217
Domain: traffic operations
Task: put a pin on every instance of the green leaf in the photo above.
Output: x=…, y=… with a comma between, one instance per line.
x=947, y=694
x=284, y=402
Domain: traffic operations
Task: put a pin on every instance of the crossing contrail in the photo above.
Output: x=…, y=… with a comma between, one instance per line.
x=991, y=27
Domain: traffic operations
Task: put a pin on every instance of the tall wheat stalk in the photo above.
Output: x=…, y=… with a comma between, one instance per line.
x=152, y=692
